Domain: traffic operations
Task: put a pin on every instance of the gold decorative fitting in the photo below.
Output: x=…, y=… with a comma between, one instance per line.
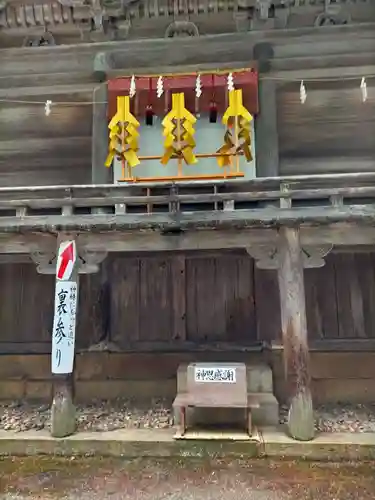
x=179, y=132
x=123, y=136
x=237, y=138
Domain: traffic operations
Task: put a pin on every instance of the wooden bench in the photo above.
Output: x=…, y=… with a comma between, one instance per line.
x=215, y=385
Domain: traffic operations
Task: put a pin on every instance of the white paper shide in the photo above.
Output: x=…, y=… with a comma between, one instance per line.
x=64, y=327
x=215, y=374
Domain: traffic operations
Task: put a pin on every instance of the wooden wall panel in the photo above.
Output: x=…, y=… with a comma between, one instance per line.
x=220, y=299
x=93, y=310
x=155, y=304
x=355, y=276
x=267, y=305
x=40, y=150
x=321, y=301
x=125, y=291
x=142, y=305
x=331, y=132
x=26, y=304
x=164, y=299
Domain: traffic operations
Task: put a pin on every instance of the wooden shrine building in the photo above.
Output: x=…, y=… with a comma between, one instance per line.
x=214, y=164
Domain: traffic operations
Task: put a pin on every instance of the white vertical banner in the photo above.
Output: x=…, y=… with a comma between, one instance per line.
x=64, y=327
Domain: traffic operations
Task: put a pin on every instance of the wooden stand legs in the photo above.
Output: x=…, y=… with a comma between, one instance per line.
x=182, y=420
x=249, y=421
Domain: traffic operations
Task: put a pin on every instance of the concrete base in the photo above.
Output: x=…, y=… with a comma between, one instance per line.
x=132, y=443
x=259, y=383
x=63, y=416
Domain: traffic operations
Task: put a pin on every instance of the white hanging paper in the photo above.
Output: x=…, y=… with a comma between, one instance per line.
x=230, y=82
x=47, y=107
x=160, y=87
x=132, y=89
x=364, y=89
x=198, y=86
x=64, y=327
x=302, y=93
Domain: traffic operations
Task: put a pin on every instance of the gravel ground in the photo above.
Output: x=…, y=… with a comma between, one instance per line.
x=341, y=418
x=97, y=417
x=107, y=416
x=152, y=479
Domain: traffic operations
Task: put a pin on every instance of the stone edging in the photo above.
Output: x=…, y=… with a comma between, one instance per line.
x=160, y=443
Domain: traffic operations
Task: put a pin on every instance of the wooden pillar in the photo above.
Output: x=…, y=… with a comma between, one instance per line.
x=266, y=136
x=99, y=173
x=294, y=334
x=67, y=264
x=63, y=421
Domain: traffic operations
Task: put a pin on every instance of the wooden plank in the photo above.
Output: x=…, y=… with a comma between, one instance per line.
x=333, y=122
x=92, y=311
x=99, y=173
x=349, y=297
x=226, y=220
x=287, y=43
x=294, y=334
x=155, y=306
x=267, y=301
x=179, y=292
x=244, y=317
x=333, y=345
x=191, y=300
x=30, y=122
x=220, y=300
x=209, y=326
x=125, y=305
x=321, y=303
x=266, y=131
x=342, y=365
x=27, y=304
x=299, y=188
x=318, y=165
x=298, y=185
x=366, y=263
x=349, y=234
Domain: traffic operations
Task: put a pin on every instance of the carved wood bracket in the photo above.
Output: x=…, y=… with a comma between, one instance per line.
x=89, y=262
x=267, y=256
x=181, y=29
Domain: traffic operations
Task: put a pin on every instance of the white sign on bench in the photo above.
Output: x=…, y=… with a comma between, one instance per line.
x=215, y=374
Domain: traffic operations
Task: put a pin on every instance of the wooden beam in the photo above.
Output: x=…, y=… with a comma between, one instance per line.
x=266, y=135
x=169, y=223
x=296, y=185
x=41, y=92
x=269, y=256
x=188, y=241
x=350, y=236
x=99, y=173
x=307, y=188
x=335, y=345
x=326, y=197
x=132, y=54
x=88, y=261
x=294, y=335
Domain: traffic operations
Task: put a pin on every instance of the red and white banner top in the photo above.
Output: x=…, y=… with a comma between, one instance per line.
x=66, y=260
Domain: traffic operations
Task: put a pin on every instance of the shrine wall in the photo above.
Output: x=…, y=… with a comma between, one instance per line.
x=163, y=300
x=336, y=376
x=45, y=150
x=332, y=132
x=160, y=310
